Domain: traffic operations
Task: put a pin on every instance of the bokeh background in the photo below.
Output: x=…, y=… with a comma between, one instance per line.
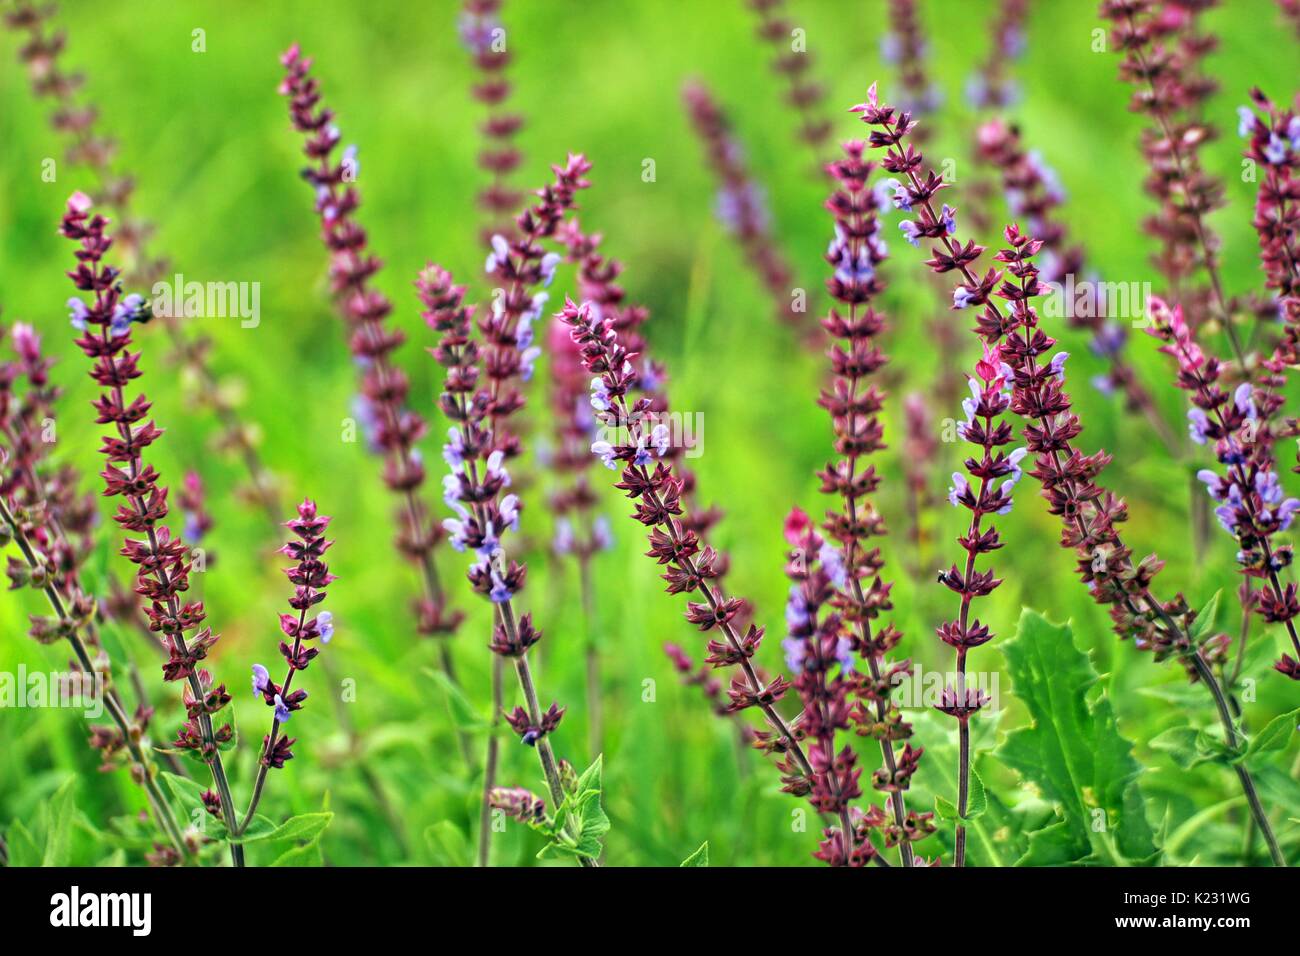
x=217, y=168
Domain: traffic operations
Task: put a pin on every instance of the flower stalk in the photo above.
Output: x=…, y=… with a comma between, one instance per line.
x=1090, y=513
x=392, y=426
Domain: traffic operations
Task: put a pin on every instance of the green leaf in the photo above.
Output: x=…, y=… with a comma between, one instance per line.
x=233, y=742
x=1205, y=617
x=305, y=826
x=945, y=809
x=188, y=793
x=1180, y=744
x=1277, y=733
x=699, y=858
x=976, y=802
x=58, y=814
x=1059, y=844
x=448, y=843
x=23, y=850
x=1072, y=751
x=580, y=811
x=308, y=854
x=1189, y=747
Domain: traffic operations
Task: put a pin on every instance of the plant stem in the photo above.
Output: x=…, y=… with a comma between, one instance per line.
x=490, y=765
x=1247, y=784
x=1207, y=677
x=161, y=808
x=595, y=712
x=544, y=752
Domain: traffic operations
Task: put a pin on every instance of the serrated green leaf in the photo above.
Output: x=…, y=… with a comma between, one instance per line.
x=1277, y=733
x=699, y=858
x=945, y=809
x=1072, y=750
x=976, y=802
x=1059, y=844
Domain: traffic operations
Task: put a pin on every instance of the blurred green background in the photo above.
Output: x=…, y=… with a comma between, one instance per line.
x=217, y=167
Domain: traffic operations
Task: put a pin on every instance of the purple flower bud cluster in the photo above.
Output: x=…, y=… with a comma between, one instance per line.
x=793, y=65
x=516, y=802
x=741, y=205
x=479, y=444
x=484, y=37
x=990, y=87
x=1162, y=52
x=521, y=268
x=846, y=555
x=905, y=47
x=162, y=559
x=1032, y=193
x=1273, y=141
x=1090, y=514
x=89, y=147
x=1252, y=506
x=691, y=567
x=578, y=531
x=395, y=426
x=598, y=284
x=820, y=653
x=993, y=476
x=310, y=575
x=477, y=473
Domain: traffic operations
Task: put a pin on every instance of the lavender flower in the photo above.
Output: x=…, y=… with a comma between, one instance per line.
x=740, y=203
x=162, y=559
x=990, y=87
x=1030, y=183
x=690, y=567
x=483, y=35
x=1252, y=507
x=1089, y=512
x=393, y=424
x=802, y=93
x=475, y=492
x=88, y=146
x=50, y=522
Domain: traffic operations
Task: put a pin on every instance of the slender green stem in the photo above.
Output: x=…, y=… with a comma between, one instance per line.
x=490, y=765
x=1207, y=677
x=161, y=808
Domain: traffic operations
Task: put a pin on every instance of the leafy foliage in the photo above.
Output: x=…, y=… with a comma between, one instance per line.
x=1072, y=752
